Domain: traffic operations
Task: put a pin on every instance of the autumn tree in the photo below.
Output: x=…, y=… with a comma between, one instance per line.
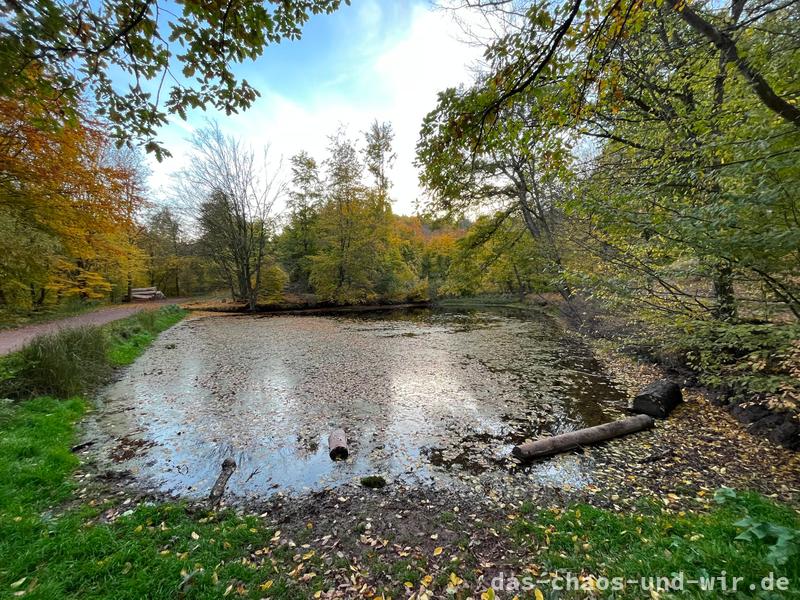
x=67, y=207
x=671, y=133
x=232, y=191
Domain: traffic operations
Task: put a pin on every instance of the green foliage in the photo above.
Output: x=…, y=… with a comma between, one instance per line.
x=175, y=263
x=783, y=542
x=498, y=255
x=69, y=48
x=340, y=239
x=273, y=282
x=233, y=194
x=743, y=358
x=618, y=133
x=297, y=242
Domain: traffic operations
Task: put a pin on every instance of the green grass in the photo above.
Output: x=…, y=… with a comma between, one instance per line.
x=35, y=461
x=64, y=364
x=131, y=336
x=652, y=543
x=145, y=554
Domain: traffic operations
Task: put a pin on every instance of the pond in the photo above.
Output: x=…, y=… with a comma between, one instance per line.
x=427, y=397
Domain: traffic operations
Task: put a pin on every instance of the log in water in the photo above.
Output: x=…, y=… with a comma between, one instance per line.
x=337, y=443
x=583, y=437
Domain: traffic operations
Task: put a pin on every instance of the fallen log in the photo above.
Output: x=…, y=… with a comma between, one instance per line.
x=657, y=399
x=337, y=444
x=583, y=437
x=228, y=467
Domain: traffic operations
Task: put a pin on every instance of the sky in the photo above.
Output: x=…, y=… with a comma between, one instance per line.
x=374, y=59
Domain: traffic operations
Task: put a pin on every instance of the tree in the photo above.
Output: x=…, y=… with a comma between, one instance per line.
x=163, y=241
x=498, y=255
x=64, y=192
x=357, y=260
x=545, y=37
x=232, y=194
x=678, y=151
x=68, y=48
x=379, y=156
x=343, y=269
x=518, y=166
x=297, y=242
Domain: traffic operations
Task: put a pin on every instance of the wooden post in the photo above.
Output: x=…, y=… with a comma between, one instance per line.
x=583, y=437
x=337, y=444
x=228, y=467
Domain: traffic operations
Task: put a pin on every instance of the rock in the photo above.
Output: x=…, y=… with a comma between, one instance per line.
x=657, y=399
x=780, y=428
x=373, y=481
x=750, y=413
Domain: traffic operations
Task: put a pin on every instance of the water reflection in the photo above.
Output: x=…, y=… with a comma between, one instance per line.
x=424, y=395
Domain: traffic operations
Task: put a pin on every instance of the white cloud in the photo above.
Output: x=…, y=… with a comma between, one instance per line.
x=397, y=80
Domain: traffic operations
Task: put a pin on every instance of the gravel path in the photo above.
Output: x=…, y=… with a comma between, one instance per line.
x=14, y=339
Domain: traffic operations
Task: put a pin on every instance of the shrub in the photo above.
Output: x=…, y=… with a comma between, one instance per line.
x=62, y=364
x=741, y=358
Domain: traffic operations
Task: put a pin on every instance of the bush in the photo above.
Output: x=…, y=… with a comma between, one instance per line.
x=62, y=364
x=740, y=358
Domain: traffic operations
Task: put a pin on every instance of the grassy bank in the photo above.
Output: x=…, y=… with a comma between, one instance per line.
x=53, y=546
x=745, y=536
x=73, y=361
x=61, y=538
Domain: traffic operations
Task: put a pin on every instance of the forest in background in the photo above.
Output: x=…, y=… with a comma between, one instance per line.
x=638, y=160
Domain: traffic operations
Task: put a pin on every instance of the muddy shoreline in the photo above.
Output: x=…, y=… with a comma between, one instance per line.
x=698, y=449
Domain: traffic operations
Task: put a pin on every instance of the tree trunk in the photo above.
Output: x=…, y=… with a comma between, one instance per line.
x=583, y=437
x=725, y=309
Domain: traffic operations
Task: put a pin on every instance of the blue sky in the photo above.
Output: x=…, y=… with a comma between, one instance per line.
x=375, y=59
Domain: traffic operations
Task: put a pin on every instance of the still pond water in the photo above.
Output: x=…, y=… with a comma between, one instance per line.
x=427, y=396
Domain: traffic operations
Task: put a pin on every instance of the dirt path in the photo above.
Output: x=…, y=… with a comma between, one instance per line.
x=14, y=339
